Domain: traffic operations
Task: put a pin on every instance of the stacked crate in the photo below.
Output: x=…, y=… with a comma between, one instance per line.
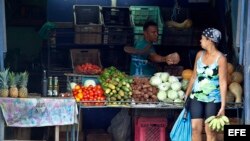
x=88, y=23
x=82, y=56
x=117, y=25
x=141, y=14
x=150, y=128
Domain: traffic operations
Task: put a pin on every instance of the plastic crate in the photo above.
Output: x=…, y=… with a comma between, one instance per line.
x=150, y=129
x=86, y=14
x=88, y=34
x=88, y=23
x=117, y=25
x=141, y=14
x=116, y=16
x=81, y=56
x=118, y=35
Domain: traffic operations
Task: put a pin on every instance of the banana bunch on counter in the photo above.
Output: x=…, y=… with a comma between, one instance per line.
x=216, y=123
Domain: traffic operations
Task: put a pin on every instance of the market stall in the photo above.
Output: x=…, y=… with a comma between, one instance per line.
x=112, y=95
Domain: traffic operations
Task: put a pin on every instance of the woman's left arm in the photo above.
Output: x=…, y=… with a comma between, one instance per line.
x=223, y=83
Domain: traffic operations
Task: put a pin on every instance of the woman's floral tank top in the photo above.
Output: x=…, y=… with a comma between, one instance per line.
x=206, y=86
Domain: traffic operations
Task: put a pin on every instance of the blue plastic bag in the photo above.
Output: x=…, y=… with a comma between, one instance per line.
x=182, y=129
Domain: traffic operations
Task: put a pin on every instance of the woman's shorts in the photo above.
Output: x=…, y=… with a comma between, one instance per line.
x=200, y=109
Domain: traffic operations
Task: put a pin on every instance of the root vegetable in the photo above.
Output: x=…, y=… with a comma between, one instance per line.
x=230, y=68
x=236, y=89
x=237, y=77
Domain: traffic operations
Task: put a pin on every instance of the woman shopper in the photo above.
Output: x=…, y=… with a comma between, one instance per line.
x=208, y=85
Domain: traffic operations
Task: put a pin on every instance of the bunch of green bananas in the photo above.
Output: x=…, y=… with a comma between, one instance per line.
x=216, y=123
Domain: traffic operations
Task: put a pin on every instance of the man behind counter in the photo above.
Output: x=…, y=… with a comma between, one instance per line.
x=143, y=55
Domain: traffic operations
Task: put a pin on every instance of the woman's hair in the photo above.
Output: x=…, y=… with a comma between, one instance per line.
x=147, y=24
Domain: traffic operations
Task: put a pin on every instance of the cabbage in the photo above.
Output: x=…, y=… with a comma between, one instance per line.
x=155, y=80
x=173, y=79
x=164, y=76
x=161, y=95
x=178, y=101
x=168, y=100
x=158, y=74
x=176, y=86
x=72, y=85
x=164, y=86
x=89, y=82
x=181, y=94
x=172, y=94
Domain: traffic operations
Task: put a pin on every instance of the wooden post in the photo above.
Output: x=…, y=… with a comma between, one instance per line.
x=57, y=133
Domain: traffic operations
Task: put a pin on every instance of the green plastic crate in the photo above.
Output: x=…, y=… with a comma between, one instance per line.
x=141, y=14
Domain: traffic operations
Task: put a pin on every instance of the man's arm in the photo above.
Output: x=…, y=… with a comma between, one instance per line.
x=132, y=50
x=170, y=59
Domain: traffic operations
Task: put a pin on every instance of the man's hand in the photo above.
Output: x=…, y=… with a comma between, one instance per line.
x=173, y=58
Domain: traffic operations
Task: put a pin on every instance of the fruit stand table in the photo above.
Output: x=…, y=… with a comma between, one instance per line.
x=38, y=112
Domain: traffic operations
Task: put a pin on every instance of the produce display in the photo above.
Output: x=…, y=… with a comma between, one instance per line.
x=88, y=69
x=170, y=88
x=13, y=84
x=117, y=86
x=88, y=95
x=216, y=123
x=143, y=91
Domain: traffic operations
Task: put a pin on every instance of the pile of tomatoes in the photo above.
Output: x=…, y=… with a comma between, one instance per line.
x=88, y=69
x=90, y=95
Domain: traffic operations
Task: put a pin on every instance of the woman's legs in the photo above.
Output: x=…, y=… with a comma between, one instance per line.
x=197, y=125
x=211, y=135
x=197, y=114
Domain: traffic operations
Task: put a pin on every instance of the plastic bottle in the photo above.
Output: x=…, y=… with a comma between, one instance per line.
x=50, y=89
x=44, y=84
x=56, y=87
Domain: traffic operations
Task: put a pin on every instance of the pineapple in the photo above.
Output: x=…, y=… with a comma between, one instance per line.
x=13, y=91
x=23, y=81
x=4, y=89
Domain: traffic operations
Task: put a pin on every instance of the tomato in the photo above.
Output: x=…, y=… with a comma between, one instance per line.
x=77, y=99
x=98, y=87
x=79, y=90
x=80, y=95
x=102, y=98
x=77, y=87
